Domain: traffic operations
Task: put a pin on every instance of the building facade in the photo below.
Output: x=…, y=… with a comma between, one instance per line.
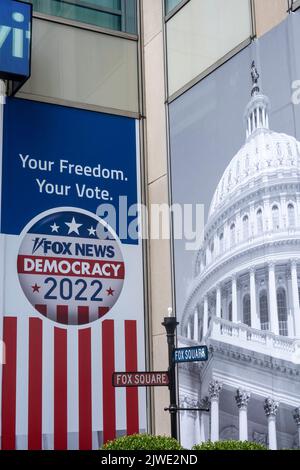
x=244, y=299
x=150, y=61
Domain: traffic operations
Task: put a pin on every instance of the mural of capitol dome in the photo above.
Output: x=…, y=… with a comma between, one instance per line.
x=243, y=301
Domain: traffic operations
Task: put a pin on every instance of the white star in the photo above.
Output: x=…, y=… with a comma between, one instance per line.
x=92, y=231
x=54, y=227
x=73, y=226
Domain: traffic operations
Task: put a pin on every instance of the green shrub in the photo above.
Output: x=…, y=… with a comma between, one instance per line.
x=142, y=442
x=229, y=445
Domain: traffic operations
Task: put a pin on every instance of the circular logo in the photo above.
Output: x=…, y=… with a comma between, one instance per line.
x=70, y=267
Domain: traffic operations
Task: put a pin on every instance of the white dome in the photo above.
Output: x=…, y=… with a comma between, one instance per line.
x=264, y=155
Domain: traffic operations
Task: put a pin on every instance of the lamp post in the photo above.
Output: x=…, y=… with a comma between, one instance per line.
x=170, y=325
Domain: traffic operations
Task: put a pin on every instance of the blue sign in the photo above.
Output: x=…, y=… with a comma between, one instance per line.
x=54, y=156
x=15, y=39
x=194, y=354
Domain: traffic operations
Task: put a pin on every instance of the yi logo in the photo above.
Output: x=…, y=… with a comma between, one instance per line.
x=19, y=35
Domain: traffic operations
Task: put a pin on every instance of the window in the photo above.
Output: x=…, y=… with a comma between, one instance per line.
x=200, y=34
x=246, y=227
x=171, y=4
x=118, y=15
x=275, y=217
x=232, y=235
x=295, y=4
x=264, y=311
x=221, y=243
x=282, y=312
x=247, y=310
x=230, y=311
x=259, y=221
x=291, y=216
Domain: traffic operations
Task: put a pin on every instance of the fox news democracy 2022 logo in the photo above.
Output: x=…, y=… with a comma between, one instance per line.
x=70, y=266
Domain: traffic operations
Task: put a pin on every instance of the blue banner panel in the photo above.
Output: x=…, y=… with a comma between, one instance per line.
x=15, y=39
x=55, y=156
x=193, y=354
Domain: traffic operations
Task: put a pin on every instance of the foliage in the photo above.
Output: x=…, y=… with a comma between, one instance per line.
x=229, y=445
x=142, y=442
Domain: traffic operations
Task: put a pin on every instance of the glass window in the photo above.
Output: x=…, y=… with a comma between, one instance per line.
x=282, y=312
x=264, y=311
x=247, y=310
x=246, y=227
x=275, y=217
x=221, y=243
x=291, y=215
x=259, y=220
x=232, y=235
x=202, y=33
x=171, y=4
x=85, y=67
x=118, y=15
x=230, y=311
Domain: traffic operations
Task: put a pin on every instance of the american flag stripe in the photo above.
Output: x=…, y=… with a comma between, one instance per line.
x=35, y=384
x=108, y=367
x=83, y=315
x=60, y=389
x=57, y=384
x=102, y=311
x=73, y=389
x=42, y=309
x=85, y=391
x=62, y=314
x=132, y=412
x=8, y=409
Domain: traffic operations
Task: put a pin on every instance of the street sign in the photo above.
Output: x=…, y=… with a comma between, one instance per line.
x=140, y=379
x=193, y=354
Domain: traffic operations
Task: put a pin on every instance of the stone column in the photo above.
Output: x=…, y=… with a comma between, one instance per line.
x=296, y=416
x=295, y=291
x=205, y=316
x=196, y=325
x=218, y=301
x=234, y=299
x=189, y=330
x=274, y=324
x=214, y=392
x=254, y=318
x=271, y=408
x=204, y=419
x=242, y=399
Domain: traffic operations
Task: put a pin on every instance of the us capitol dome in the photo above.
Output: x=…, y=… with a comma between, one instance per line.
x=243, y=301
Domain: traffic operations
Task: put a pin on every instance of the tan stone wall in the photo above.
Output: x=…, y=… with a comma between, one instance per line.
x=156, y=153
x=269, y=13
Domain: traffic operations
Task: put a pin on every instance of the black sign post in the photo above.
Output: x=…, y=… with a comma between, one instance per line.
x=170, y=325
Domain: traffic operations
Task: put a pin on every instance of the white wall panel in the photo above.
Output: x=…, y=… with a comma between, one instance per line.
x=201, y=33
x=83, y=66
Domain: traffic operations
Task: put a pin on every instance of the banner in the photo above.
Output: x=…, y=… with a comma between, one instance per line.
x=72, y=284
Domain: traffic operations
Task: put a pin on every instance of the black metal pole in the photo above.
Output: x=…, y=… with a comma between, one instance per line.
x=170, y=325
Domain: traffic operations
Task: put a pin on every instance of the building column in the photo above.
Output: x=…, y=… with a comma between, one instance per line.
x=254, y=318
x=234, y=299
x=218, y=301
x=273, y=310
x=205, y=316
x=189, y=330
x=196, y=325
x=214, y=392
x=242, y=399
x=204, y=419
x=296, y=416
x=271, y=408
x=295, y=291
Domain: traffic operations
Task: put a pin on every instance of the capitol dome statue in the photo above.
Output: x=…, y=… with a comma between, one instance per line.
x=243, y=301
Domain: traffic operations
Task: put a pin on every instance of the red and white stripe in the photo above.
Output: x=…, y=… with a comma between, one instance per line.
x=57, y=388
